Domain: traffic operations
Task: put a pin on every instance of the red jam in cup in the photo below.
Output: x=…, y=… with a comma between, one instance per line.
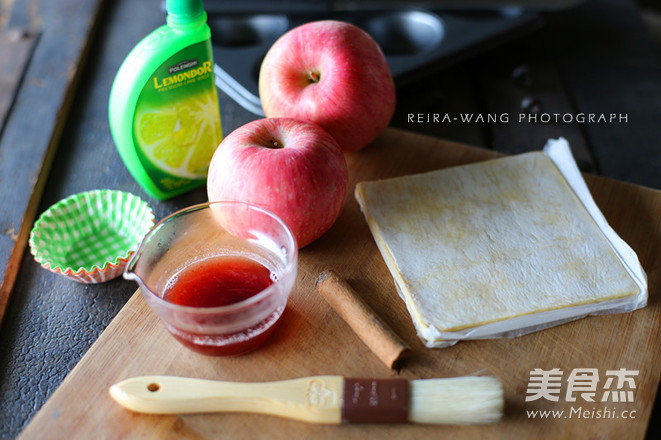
x=218, y=274
x=223, y=281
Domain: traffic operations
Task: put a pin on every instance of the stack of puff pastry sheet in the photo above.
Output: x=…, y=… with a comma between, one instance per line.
x=500, y=248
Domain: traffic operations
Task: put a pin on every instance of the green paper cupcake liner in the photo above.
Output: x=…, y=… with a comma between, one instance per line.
x=89, y=237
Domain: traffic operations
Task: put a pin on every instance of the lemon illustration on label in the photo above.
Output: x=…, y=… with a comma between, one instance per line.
x=181, y=137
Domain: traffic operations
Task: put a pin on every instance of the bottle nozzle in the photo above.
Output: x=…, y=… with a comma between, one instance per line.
x=184, y=10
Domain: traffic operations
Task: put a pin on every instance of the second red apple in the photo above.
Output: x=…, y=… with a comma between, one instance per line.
x=292, y=168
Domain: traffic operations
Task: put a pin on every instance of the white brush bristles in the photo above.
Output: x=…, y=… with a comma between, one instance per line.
x=460, y=400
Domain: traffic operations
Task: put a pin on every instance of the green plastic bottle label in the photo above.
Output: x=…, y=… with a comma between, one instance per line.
x=177, y=121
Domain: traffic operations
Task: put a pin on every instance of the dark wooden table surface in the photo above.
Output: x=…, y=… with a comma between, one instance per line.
x=595, y=58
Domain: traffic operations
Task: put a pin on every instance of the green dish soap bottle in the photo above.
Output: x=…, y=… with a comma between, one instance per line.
x=163, y=108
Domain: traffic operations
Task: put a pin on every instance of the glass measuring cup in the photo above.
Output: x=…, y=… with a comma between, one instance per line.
x=211, y=232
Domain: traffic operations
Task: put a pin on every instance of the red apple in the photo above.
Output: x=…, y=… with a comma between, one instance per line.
x=334, y=74
x=292, y=168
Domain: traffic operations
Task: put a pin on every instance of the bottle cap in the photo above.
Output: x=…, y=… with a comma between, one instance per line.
x=184, y=10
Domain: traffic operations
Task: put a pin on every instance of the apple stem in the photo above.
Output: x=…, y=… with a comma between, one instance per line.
x=314, y=77
x=275, y=143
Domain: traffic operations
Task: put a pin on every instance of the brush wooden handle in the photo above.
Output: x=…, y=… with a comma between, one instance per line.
x=316, y=399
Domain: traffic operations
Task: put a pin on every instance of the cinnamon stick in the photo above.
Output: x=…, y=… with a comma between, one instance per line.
x=375, y=333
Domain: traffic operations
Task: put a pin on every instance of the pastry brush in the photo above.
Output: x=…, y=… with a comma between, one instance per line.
x=322, y=399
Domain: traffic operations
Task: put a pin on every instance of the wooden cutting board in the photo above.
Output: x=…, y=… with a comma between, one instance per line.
x=312, y=339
